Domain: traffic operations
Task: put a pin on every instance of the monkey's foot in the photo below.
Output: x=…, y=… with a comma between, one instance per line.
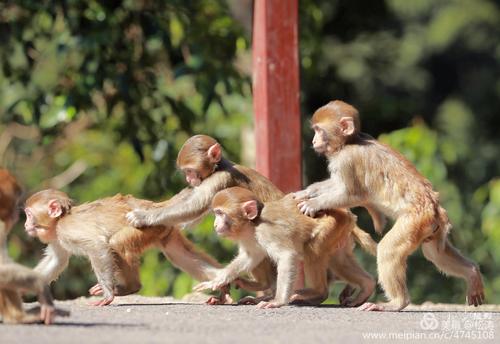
x=269, y=304
x=475, y=290
x=382, y=307
x=347, y=298
x=250, y=300
x=103, y=302
x=222, y=300
x=47, y=314
x=346, y=294
x=214, y=300
x=96, y=290
x=307, y=297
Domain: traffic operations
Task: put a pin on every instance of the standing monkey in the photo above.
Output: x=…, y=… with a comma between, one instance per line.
x=100, y=231
x=364, y=172
x=14, y=278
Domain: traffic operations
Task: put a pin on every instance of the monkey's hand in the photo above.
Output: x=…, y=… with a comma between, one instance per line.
x=47, y=314
x=208, y=285
x=302, y=195
x=96, y=290
x=269, y=304
x=309, y=207
x=217, y=283
x=138, y=218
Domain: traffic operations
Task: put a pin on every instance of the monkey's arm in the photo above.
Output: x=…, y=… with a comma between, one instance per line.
x=244, y=262
x=54, y=262
x=102, y=262
x=333, y=195
x=192, y=206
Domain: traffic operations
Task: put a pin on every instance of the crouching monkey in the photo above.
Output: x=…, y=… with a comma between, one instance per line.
x=16, y=279
x=99, y=231
x=367, y=173
x=279, y=231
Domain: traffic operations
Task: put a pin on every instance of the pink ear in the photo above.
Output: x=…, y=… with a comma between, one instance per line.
x=54, y=208
x=215, y=153
x=347, y=126
x=250, y=209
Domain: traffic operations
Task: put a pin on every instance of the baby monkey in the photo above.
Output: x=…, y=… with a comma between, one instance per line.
x=279, y=231
x=99, y=231
x=367, y=173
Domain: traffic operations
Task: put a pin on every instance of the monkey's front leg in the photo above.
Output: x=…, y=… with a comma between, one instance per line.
x=242, y=263
x=287, y=270
x=102, y=264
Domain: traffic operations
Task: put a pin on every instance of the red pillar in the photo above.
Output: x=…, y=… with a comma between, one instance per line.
x=276, y=92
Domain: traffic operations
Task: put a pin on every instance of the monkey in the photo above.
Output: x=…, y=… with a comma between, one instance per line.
x=99, y=231
x=207, y=172
x=279, y=231
x=365, y=172
x=16, y=279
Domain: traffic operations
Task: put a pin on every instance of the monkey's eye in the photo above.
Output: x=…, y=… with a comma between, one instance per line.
x=218, y=212
x=190, y=171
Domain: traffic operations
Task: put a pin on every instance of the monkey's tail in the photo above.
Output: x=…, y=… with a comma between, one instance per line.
x=378, y=219
x=365, y=240
x=444, y=228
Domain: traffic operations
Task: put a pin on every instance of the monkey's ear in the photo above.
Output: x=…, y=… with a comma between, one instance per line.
x=347, y=126
x=214, y=153
x=250, y=209
x=54, y=208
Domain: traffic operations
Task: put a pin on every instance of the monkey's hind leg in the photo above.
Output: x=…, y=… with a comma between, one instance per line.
x=315, y=270
x=451, y=262
x=127, y=276
x=392, y=254
x=345, y=266
x=183, y=254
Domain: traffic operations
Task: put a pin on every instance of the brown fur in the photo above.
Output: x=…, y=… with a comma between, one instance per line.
x=100, y=231
x=277, y=230
x=14, y=278
x=216, y=175
x=367, y=173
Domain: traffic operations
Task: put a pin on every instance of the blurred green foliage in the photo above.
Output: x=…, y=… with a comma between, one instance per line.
x=96, y=97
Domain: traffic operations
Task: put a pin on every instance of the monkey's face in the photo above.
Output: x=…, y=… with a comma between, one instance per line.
x=223, y=224
x=320, y=140
x=328, y=138
x=193, y=177
x=39, y=224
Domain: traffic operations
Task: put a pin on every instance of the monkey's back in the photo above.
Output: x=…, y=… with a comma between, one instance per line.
x=106, y=217
x=387, y=177
x=262, y=187
x=282, y=221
